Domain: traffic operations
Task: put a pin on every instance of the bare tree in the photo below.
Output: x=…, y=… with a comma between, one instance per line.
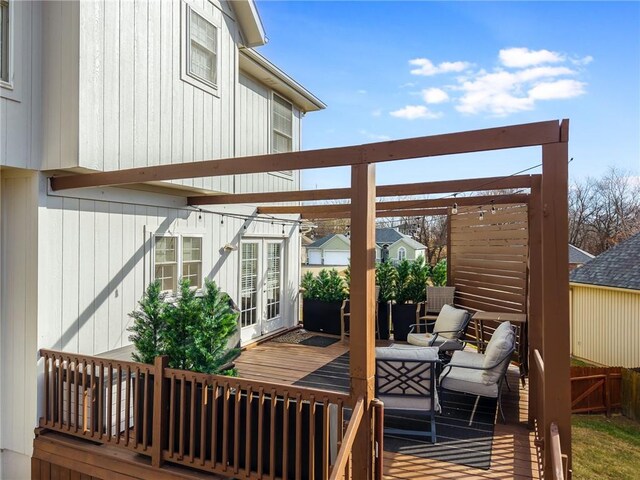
x=603, y=212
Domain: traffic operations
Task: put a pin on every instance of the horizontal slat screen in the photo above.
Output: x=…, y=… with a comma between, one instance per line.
x=489, y=258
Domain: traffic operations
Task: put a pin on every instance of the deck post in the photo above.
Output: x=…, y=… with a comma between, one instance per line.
x=362, y=337
x=535, y=299
x=159, y=415
x=555, y=273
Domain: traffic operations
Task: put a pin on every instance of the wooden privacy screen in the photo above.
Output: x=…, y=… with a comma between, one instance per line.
x=488, y=258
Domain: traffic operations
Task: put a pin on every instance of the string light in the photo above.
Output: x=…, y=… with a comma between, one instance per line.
x=481, y=216
x=283, y=229
x=222, y=220
x=493, y=208
x=454, y=210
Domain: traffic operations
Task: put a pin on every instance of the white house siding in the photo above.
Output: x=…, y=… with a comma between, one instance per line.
x=95, y=262
x=253, y=136
x=605, y=325
x=18, y=335
x=20, y=107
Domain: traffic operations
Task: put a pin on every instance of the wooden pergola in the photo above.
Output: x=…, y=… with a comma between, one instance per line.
x=547, y=289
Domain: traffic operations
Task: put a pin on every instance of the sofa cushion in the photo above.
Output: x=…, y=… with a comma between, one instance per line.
x=502, y=341
x=450, y=320
x=444, y=344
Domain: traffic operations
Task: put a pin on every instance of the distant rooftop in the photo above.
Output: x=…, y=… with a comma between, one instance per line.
x=387, y=236
x=577, y=255
x=617, y=267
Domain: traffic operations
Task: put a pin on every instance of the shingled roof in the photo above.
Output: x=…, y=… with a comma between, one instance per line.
x=617, y=267
x=578, y=256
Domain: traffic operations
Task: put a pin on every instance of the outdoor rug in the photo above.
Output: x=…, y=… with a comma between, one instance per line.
x=306, y=338
x=457, y=441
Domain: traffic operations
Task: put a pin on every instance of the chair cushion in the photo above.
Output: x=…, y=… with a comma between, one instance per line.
x=502, y=340
x=467, y=380
x=469, y=359
x=428, y=340
x=450, y=320
x=408, y=353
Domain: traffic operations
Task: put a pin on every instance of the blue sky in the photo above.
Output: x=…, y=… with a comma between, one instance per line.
x=390, y=70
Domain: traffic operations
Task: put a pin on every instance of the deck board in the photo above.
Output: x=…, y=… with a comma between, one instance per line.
x=513, y=454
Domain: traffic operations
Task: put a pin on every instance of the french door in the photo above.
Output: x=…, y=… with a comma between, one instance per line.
x=261, y=271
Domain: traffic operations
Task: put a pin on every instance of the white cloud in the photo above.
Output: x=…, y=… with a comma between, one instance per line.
x=427, y=68
x=376, y=113
x=374, y=136
x=435, y=95
x=502, y=92
x=413, y=112
x=557, y=90
x=523, y=57
x=362, y=92
x=582, y=61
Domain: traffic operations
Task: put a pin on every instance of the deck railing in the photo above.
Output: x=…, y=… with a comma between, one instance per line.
x=559, y=465
x=213, y=423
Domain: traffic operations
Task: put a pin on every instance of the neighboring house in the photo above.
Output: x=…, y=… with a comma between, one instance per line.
x=331, y=250
x=605, y=306
x=103, y=86
x=577, y=257
x=334, y=249
x=304, y=245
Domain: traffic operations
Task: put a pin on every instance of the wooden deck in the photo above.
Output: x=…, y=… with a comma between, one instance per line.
x=514, y=454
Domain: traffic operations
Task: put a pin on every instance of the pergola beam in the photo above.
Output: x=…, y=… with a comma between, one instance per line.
x=446, y=186
x=418, y=212
x=480, y=200
x=526, y=135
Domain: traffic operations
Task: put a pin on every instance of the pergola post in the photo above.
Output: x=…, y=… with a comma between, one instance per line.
x=555, y=310
x=362, y=343
x=535, y=299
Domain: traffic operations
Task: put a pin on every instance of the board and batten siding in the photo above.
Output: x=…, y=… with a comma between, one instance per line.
x=95, y=261
x=18, y=318
x=605, y=325
x=253, y=136
x=21, y=105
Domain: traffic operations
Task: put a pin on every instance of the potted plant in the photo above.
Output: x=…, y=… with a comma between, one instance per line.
x=386, y=280
x=410, y=292
x=323, y=298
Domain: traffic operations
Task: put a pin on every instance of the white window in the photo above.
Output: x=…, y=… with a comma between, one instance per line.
x=282, y=127
x=178, y=257
x=200, y=47
x=5, y=37
x=402, y=253
x=192, y=260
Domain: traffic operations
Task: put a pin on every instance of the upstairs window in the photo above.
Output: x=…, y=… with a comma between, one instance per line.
x=402, y=253
x=4, y=41
x=282, y=122
x=203, y=49
x=282, y=119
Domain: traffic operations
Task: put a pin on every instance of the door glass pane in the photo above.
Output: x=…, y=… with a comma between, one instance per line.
x=249, y=284
x=272, y=285
x=192, y=260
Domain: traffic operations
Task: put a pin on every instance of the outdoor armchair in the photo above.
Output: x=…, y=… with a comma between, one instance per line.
x=345, y=318
x=437, y=297
x=449, y=330
x=482, y=374
x=405, y=381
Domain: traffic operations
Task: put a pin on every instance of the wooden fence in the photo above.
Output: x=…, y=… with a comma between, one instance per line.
x=631, y=393
x=212, y=423
x=596, y=389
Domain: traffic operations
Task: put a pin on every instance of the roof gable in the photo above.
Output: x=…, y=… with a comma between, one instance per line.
x=617, y=267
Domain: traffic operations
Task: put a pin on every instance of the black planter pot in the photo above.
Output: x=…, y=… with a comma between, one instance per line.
x=320, y=316
x=383, y=320
x=404, y=315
